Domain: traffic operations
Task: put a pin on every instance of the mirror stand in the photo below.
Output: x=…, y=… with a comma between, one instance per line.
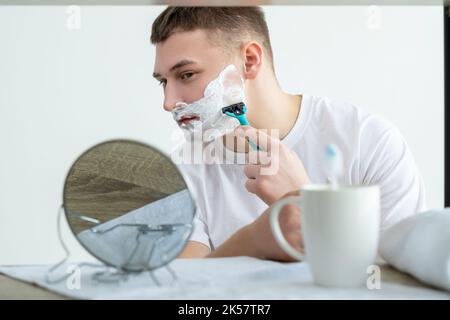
x=110, y=274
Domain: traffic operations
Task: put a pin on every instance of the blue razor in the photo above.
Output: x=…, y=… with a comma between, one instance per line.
x=238, y=111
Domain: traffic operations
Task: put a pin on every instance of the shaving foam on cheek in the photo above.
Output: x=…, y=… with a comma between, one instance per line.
x=226, y=89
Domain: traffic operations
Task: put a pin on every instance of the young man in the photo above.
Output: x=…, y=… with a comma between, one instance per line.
x=193, y=45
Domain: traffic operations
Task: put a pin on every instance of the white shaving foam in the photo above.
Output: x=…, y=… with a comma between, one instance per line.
x=226, y=89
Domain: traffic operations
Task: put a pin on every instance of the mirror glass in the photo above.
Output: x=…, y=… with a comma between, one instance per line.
x=128, y=205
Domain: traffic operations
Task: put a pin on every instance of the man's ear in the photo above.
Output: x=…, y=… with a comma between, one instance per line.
x=253, y=57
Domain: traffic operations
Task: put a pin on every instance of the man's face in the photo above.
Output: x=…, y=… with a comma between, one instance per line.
x=185, y=63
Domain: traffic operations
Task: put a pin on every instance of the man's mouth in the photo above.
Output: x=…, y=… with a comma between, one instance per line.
x=184, y=120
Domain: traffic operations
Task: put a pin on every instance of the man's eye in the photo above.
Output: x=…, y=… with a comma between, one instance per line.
x=162, y=83
x=186, y=75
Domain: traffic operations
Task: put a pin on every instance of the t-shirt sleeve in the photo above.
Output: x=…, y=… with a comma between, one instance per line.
x=387, y=161
x=192, y=174
x=200, y=229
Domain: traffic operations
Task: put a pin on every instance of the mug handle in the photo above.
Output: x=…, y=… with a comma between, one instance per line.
x=276, y=230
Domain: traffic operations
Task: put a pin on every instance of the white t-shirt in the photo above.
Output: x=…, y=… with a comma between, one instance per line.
x=373, y=152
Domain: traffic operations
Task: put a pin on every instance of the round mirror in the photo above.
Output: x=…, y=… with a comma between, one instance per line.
x=128, y=205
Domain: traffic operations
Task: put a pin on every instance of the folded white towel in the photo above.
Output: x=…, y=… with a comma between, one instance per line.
x=420, y=246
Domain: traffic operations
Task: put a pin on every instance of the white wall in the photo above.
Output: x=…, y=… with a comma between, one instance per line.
x=386, y=59
x=62, y=91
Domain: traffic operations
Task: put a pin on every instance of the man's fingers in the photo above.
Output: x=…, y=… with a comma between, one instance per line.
x=258, y=157
x=264, y=141
x=259, y=187
x=251, y=171
x=250, y=185
x=291, y=193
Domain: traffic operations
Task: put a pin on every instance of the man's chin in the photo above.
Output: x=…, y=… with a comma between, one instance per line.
x=201, y=137
x=209, y=131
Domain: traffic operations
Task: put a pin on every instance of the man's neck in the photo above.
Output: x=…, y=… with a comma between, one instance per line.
x=277, y=110
x=270, y=108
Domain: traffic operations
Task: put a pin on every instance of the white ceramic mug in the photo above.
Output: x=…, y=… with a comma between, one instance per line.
x=340, y=229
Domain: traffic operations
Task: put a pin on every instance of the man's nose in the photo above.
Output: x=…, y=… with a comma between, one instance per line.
x=170, y=100
x=168, y=107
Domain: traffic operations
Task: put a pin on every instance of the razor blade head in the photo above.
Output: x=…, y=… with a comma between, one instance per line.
x=237, y=109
